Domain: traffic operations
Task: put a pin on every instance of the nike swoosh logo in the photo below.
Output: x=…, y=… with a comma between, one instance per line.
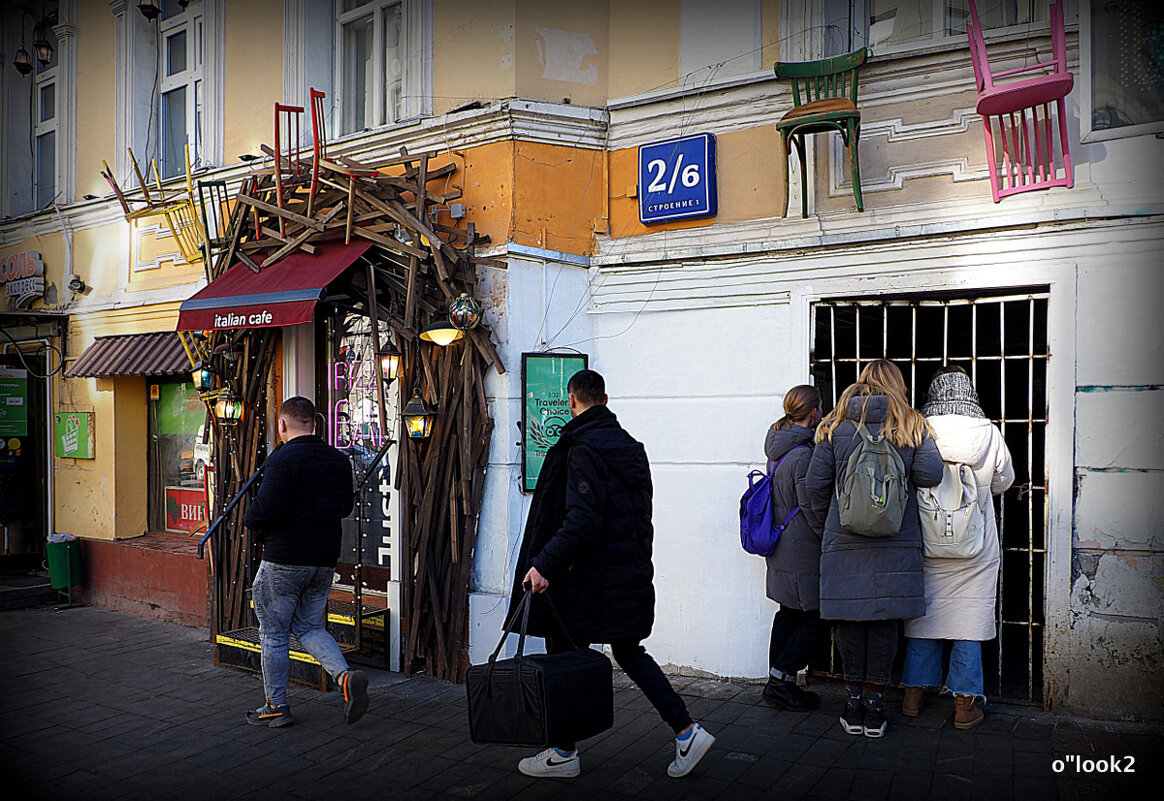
x=684, y=751
x=551, y=763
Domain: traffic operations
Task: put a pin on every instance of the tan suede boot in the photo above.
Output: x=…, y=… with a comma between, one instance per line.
x=966, y=715
x=913, y=701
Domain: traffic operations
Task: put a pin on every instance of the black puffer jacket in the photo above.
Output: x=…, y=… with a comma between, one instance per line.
x=305, y=494
x=794, y=567
x=862, y=578
x=589, y=533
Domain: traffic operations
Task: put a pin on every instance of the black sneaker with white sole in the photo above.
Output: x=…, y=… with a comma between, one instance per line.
x=852, y=717
x=874, y=720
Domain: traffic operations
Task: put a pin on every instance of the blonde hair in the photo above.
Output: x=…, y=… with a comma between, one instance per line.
x=904, y=425
x=798, y=404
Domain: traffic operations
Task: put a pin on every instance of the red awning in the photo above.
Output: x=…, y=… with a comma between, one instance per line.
x=285, y=294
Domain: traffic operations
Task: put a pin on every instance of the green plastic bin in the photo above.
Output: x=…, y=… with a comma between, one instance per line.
x=63, y=556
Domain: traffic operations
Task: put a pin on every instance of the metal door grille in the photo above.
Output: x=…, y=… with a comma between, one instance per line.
x=1001, y=341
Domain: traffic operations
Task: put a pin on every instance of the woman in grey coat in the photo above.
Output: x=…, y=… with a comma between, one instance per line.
x=869, y=585
x=794, y=567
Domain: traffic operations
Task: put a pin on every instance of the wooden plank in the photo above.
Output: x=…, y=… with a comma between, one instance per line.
x=271, y=208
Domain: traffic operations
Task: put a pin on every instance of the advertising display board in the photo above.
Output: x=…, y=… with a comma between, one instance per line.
x=13, y=402
x=73, y=435
x=545, y=407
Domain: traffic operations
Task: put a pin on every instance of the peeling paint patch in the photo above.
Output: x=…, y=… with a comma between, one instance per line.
x=507, y=33
x=1119, y=387
x=564, y=55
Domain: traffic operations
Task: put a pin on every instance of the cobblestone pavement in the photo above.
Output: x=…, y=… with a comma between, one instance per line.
x=101, y=705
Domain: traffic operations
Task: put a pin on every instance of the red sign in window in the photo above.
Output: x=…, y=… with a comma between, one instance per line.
x=185, y=510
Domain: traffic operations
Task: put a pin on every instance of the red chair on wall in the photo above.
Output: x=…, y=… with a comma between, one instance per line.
x=1024, y=158
x=349, y=169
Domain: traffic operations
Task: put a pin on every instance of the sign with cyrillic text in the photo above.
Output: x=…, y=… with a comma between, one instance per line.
x=677, y=179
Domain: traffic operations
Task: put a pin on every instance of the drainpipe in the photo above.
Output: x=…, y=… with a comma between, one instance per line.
x=48, y=427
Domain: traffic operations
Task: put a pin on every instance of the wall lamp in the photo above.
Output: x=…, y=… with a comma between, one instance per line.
x=389, y=361
x=203, y=377
x=441, y=333
x=228, y=407
x=418, y=417
x=465, y=313
x=149, y=9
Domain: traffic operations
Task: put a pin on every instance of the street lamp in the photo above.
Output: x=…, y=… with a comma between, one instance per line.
x=22, y=61
x=44, y=50
x=418, y=417
x=149, y=9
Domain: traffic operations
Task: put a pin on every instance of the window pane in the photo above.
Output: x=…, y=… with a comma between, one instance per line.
x=176, y=53
x=357, y=75
x=348, y=5
x=393, y=63
x=46, y=169
x=1127, y=64
x=48, y=102
x=173, y=132
x=899, y=22
x=177, y=457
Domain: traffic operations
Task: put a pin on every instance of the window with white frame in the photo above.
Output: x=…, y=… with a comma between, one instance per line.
x=379, y=62
x=1122, y=51
x=891, y=26
x=44, y=124
x=180, y=84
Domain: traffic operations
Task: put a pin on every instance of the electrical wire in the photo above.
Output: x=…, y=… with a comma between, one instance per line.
x=43, y=346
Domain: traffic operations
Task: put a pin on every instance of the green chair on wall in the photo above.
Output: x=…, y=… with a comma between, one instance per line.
x=824, y=96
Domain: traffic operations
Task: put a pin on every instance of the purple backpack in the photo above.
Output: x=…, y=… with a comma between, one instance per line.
x=758, y=531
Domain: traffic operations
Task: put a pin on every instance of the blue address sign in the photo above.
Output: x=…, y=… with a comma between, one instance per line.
x=677, y=179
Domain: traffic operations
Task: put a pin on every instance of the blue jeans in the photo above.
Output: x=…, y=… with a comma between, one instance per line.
x=291, y=599
x=923, y=666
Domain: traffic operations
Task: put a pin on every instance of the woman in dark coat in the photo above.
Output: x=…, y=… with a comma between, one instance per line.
x=869, y=585
x=794, y=567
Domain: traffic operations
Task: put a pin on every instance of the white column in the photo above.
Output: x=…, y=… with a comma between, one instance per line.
x=66, y=35
x=299, y=360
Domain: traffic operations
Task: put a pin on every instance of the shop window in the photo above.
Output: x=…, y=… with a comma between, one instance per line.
x=890, y=26
x=1122, y=51
x=379, y=61
x=180, y=87
x=178, y=459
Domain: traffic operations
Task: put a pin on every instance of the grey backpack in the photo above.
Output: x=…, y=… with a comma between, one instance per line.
x=872, y=498
x=951, y=522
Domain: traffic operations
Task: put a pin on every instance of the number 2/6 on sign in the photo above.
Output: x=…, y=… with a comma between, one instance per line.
x=690, y=175
x=677, y=179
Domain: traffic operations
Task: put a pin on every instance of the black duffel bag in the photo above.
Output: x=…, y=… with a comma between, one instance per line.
x=539, y=699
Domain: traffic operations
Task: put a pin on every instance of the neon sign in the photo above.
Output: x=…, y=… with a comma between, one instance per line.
x=353, y=420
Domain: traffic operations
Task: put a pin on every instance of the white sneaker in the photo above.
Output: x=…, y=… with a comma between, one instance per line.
x=551, y=765
x=688, y=752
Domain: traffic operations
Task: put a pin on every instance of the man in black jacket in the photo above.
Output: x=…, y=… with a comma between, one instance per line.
x=588, y=541
x=305, y=494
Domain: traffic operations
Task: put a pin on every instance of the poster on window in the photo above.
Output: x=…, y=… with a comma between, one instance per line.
x=185, y=510
x=13, y=403
x=545, y=407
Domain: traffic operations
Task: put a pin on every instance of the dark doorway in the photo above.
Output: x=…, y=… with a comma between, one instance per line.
x=23, y=434
x=1001, y=340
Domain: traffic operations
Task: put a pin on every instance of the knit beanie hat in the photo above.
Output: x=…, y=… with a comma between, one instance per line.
x=952, y=393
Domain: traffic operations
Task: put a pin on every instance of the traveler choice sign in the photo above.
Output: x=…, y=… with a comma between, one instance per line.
x=73, y=435
x=545, y=408
x=22, y=276
x=13, y=403
x=677, y=179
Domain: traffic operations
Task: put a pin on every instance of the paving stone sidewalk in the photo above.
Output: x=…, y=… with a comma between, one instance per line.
x=100, y=705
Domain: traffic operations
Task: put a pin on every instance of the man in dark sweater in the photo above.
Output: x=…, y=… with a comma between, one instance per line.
x=588, y=542
x=305, y=494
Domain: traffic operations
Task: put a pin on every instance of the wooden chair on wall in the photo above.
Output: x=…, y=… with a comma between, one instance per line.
x=1024, y=159
x=824, y=97
x=290, y=169
x=350, y=170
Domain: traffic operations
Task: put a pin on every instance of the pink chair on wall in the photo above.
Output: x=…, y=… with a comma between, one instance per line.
x=1024, y=158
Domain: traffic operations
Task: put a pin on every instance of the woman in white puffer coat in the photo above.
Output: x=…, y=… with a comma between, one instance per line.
x=960, y=593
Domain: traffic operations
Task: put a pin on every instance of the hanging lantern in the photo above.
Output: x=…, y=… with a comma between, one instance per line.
x=465, y=313
x=22, y=61
x=228, y=408
x=203, y=377
x=389, y=361
x=44, y=51
x=418, y=417
x=441, y=333
x=149, y=9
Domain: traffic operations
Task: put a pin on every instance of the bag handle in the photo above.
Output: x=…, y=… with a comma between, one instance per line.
x=522, y=609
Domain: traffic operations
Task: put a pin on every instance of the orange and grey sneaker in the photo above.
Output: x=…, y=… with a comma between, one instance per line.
x=274, y=716
x=354, y=685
